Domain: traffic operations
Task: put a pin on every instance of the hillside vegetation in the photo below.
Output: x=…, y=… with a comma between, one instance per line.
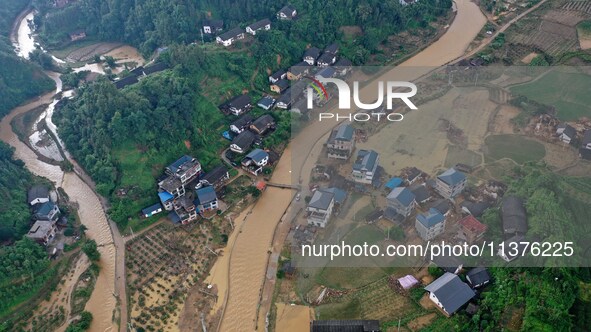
x=153, y=23
x=14, y=181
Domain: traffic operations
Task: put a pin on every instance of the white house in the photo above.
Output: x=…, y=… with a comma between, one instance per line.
x=566, y=133
x=430, y=224
x=264, y=24
x=365, y=166
x=449, y=293
x=229, y=37
x=320, y=208
x=255, y=161
x=450, y=183
x=288, y=12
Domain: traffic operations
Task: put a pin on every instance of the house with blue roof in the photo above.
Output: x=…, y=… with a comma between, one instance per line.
x=402, y=200
x=430, y=224
x=341, y=142
x=46, y=211
x=152, y=210
x=255, y=161
x=450, y=183
x=365, y=166
x=206, y=200
x=167, y=200
x=339, y=195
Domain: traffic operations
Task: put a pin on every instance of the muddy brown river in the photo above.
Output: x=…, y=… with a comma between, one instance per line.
x=102, y=302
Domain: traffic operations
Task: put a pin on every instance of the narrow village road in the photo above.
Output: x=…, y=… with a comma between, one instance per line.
x=498, y=32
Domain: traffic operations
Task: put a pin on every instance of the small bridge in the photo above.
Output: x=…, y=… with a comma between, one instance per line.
x=284, y=186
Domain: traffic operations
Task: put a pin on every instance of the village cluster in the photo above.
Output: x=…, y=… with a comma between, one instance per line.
x=573, y=133
x=47, y=218
x=442, y=208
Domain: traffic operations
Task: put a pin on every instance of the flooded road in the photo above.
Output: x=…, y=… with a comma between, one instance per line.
x=250, y=251
x=102, y=302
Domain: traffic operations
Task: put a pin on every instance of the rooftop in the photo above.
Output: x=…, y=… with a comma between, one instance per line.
x=312, y=52
x=343, y=132
x=257, y=155
x=215, y=174
x=366, y=160
x=402, y=195
x=40, y=229
x=240, y=102
x=171, y=184
x=260, y=24
x=393, y=183
x=205, y=195
x=231, y=34
x=452, y=177
x=182, y=165
x=244, y=140
x=430, y=218
x=473, y=225
x=263, y=122
x=38, y=191
x=321, y=200
x=151, y=209
x=478, y=275
x=242, y=121
x=451, y=292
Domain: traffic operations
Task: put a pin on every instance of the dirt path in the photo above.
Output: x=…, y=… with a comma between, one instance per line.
x=501, y=30
x=62, y=296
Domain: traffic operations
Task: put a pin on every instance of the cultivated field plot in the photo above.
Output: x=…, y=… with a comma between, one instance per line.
x=422, y=138
x=564, y=88
x=374, y=301
x=515, y=147
x=162, y=266
x=551, y=29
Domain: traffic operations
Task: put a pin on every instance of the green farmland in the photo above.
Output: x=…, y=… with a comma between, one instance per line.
x=514, y=147
x=568, y=92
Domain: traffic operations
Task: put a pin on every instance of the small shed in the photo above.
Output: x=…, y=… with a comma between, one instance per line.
x=408, y=281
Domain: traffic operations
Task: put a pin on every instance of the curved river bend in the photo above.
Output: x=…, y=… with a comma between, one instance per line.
x=102, y=302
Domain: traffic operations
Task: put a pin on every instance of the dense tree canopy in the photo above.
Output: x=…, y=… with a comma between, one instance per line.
x=24, y=270
x=14, y=181
x=153, y=23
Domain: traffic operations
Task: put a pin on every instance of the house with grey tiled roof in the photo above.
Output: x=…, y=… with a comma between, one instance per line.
x=341, y=143
x=449, y=293
x=320, y=208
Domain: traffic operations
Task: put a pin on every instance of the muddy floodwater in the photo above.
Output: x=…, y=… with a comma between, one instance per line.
x=249, y=252
x=102, y=302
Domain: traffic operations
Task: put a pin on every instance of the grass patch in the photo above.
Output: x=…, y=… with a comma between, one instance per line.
x=568, y=92
x=456, y=154
x=514, y=147
x=584, y=28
